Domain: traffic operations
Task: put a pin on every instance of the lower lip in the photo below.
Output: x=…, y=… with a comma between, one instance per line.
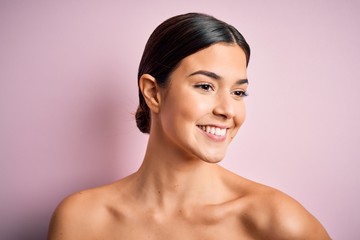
x=213, y=137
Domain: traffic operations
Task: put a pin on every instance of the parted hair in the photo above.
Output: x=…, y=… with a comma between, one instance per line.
x=172, y=41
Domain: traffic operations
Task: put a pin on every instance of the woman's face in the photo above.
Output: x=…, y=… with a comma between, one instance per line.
x=203, y=107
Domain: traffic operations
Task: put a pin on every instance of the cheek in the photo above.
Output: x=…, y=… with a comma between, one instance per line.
x=192, y=106
x=200, y=104
x=177, y=110
x=241, y=114
x=238, y=120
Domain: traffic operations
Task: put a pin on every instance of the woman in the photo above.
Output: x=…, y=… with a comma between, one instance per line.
x=192, y=80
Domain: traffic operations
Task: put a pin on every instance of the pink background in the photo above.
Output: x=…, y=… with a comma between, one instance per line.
x=68, y=93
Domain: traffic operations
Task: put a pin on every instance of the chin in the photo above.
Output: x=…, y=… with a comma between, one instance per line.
x=213, y=159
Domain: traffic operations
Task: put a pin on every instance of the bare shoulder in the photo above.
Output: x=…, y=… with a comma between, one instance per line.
x=272, y=214
x=288, y=218
x=80, y=215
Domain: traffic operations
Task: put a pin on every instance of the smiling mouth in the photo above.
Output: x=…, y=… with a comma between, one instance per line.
x=213, y=130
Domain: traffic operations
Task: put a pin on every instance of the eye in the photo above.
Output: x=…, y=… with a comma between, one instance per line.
x=240, y=93
x=205, y=86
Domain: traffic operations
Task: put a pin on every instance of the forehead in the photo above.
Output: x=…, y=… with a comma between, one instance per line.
x=226, y=60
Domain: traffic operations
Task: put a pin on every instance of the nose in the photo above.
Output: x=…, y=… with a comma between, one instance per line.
x=224, y=107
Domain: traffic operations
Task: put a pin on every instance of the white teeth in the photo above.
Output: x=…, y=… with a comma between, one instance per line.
x=217, y=131
x=214, y=130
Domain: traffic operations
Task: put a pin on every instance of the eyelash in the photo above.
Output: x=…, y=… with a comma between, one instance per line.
x=208, y=87
x=205, y=86
x=241, y=93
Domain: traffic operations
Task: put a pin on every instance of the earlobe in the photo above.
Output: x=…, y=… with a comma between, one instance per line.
x=150, y=91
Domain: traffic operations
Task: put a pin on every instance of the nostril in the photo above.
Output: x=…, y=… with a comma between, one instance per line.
x=224, y=116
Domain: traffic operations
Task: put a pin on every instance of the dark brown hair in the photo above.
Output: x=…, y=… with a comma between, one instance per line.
x=172, y=41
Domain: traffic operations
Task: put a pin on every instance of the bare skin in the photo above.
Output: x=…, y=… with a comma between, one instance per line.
x=180, y=192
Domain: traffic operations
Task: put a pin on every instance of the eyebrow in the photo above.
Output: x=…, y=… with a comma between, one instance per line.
x=217, y=77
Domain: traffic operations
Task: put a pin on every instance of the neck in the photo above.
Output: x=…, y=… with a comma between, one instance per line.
x=168, y=178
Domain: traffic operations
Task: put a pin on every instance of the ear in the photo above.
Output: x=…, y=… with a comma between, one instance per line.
x=150, y=91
